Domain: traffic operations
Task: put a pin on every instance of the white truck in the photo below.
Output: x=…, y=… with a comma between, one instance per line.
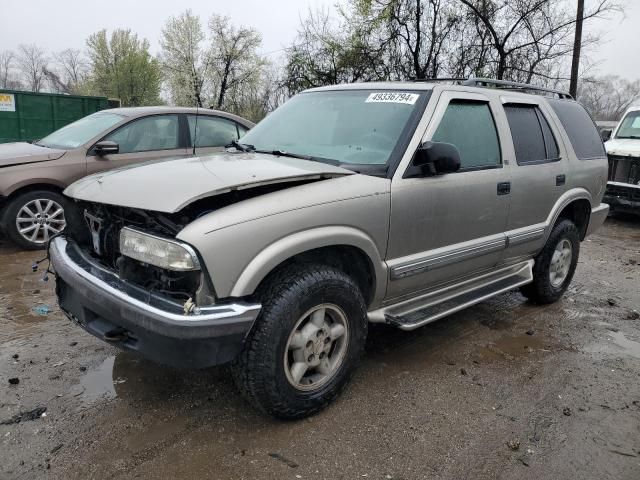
x=623, y=152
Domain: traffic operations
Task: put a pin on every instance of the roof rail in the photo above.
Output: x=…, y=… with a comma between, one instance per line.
x=488, y=82
x=444, y=79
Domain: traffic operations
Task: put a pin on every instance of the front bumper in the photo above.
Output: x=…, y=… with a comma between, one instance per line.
x=623, y=197
x=132, y=318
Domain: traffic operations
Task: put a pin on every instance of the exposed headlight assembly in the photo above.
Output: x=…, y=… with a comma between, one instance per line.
x=158, y=251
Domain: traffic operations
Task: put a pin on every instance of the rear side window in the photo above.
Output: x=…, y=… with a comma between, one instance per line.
x=212, y=131
x=581, y=130
x=532, y=136
x=470, y=127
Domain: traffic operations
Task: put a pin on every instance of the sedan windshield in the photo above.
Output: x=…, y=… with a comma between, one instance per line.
x=81, y=131
x=347, y=127
x=630, y=126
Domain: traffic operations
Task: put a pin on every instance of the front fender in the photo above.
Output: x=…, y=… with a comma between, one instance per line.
x=301, y=242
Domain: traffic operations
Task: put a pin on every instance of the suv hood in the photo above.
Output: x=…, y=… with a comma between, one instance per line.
x=626, y=147
x=170, y=185
x=21, y=153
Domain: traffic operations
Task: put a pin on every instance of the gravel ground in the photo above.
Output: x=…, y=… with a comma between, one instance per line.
x=503, y=390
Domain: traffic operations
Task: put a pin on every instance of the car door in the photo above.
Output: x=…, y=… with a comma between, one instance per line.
x=444, y=227
x=212, y=133
x=538, y=175
x=142, y=139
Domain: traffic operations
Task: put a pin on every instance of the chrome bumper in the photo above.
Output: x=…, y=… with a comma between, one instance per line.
x=101, y=302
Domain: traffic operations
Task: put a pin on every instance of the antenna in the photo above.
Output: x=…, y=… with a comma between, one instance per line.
x=195, y=130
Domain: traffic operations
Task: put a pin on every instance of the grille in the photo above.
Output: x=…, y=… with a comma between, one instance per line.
x=624, y=169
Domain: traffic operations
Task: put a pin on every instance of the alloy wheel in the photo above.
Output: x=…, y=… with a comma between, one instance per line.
x=560, y=263
x=40, y=219
x=316, y=347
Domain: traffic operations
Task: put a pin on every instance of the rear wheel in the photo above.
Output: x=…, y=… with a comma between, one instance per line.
x=555, y=264
x=32, y=218
x=306, y=342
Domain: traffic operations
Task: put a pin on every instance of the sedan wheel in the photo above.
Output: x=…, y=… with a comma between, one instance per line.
x=39, y=220
x=32, y=218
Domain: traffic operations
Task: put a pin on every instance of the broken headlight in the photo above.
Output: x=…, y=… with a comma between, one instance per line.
x=158, y=251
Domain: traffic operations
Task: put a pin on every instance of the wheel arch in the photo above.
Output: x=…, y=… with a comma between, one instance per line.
x=346, y=248
x=576, y=206
x=35, y=184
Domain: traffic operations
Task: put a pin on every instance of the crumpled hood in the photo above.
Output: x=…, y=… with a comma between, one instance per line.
x=21, y=153
x=624, y=147
x=170, y=185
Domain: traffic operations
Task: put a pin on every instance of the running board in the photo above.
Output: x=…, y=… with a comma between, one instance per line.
x=416, y=312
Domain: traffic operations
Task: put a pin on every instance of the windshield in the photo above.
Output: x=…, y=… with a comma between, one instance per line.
x=81, y=131
x=630, y=126
x=352, y=127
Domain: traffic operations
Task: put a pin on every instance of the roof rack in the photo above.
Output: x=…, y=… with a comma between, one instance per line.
x=488, y=82
x=444, y=79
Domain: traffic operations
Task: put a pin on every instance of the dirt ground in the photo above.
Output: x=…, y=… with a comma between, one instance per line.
x=503, y=390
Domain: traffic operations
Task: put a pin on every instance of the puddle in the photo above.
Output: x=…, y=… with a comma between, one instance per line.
x=27, y=304
x=132, y=378
x=629, y=347
x=510, y=347
x=98, y=384
x=615, y=343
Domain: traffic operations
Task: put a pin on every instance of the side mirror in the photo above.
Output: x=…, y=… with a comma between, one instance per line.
x=440, y=157
x=106, y=147
x=605, y=134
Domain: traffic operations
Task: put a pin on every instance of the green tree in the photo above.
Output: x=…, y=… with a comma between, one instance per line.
x=122, y=67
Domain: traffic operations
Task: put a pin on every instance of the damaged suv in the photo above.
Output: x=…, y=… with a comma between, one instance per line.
x=394, y=203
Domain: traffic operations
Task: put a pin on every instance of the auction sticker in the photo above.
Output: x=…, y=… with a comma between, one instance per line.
x=392, y=97
x=7, y=102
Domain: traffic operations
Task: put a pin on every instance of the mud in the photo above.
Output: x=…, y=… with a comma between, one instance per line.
x=504, y=390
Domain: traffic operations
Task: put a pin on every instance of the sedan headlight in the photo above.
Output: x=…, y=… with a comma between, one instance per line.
x=158, y=251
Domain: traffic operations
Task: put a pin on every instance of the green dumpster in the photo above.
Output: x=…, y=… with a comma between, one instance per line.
x=29, y=116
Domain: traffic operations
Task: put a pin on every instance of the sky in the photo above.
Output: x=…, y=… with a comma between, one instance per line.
x=59, y=24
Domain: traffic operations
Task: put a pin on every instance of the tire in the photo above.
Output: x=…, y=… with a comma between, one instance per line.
x=19, y=210
x=551, y=274
x=265, y=371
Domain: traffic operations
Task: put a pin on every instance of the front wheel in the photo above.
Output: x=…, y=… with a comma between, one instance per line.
x=306, y=342
x=32, y=218
x=555, y=264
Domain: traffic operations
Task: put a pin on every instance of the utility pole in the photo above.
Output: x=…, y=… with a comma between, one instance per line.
x=577, y=44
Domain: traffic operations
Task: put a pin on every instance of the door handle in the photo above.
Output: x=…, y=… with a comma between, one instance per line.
x=504, y=188
x=560, y=180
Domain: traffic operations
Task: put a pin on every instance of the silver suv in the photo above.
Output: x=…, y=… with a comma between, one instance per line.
x=394, y=203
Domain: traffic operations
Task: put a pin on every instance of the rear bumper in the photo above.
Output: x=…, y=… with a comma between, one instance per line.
x=597, y=218
x=131, y=318
x=623, y=196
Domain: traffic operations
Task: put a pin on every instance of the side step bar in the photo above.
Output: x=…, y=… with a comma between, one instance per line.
x=416, y=312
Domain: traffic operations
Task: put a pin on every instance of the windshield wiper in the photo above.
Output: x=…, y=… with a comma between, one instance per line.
x=243, y=147
x=282, y=153
x=633, y=137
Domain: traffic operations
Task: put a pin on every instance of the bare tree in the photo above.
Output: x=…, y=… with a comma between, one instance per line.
x=415, y=33
x=234, y=56
x=530, y=29
x=185, y=60
x=7, y=62
x=607, y=98
x=31, y=60
x=72, y=67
